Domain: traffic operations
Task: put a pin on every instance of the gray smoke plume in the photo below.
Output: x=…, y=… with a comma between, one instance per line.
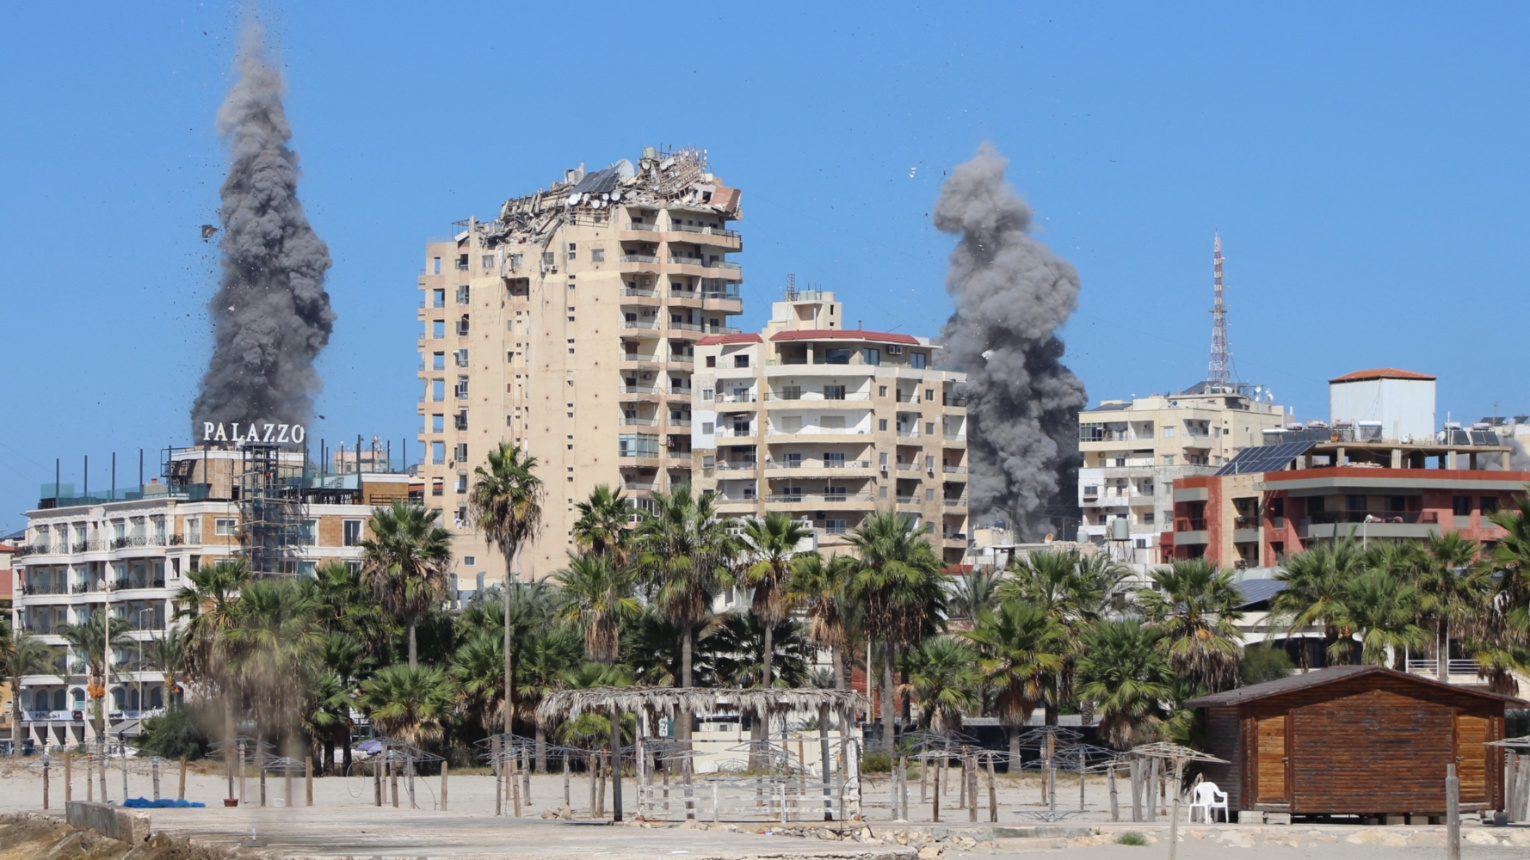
x=1011, y=293
x=271, y=311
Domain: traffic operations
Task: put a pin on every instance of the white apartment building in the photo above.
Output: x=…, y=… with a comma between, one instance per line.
x=130, y=551
x=1134, y=450
x=568, y=325
x=830, y=424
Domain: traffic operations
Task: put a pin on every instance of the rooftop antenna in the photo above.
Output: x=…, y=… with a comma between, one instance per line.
x=1218, y=374
x=791, y=287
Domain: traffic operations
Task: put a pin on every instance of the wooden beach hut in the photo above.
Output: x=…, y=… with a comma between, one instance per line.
x=1355, y=740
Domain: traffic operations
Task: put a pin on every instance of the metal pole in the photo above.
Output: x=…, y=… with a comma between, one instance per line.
x=1452, y=813
x=1179, y=765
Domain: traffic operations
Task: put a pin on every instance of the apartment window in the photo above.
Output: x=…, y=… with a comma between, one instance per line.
x=351, y=532
x=881, y=492
x=706, y=394
x=461, y=483
x=573, y=252
x=741, y=426
x=1168, y=432
x=1489, y=505
x=917, y=360
x=1168, y=459
x=436, y=487
x=1354, y=502
x=835, y=527
x=597, y=255
x=706, y=428
x=461, y=357
x=929, y=428
x=462, y=262
x=438, y=452
x=741, y=360
x=929, y=464
x=881, y=423
x=881, y=391
x=488, y=261
x=834, y=459
x=836, y=355
x=438, y=329
x=929, y=495
x=549, y=258
x=929, y=395
x=462, y=326
x=438, y=390
x=459, y=453
x=462, y=388
x=1462, y=505
x=438, y=423
x=463, y=294
x=225, y=526
x=871, y=356
x=193, y=530
x=1147, y=518
x=711, y=361
x=794, y=461
x=438, y=298
x=459, y=421
x=1091, y=432
x=834, y=392
x=516, y=260
x=438, y=361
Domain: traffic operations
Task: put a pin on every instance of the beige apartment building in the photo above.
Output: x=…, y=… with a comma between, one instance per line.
x=1134, y=450
x=829, y=424
x=568, y=325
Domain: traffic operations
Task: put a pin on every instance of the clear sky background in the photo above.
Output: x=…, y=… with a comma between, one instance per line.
x=1366, y=165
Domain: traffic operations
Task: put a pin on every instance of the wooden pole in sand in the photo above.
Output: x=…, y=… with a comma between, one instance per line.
x=46, y=767
x=308, y=778
x=180, y=793
x=993, y=805
x=68, y=779
x=443, y=786
x=1452, y=813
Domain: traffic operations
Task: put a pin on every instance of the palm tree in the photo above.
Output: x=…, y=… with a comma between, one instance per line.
x=506, y=503
x=772, y=543
x=1453, y=588
x=478, y=675
x=736, y=651
x=602, y=524
x=406, y=563
x=686, y=554
x=544, y=656
x=1019, y=651
x=943, y=677
x=819, y=588
x=973, y=592
x=167, y=656
x=345, y=605
x=208, y=602
x=87, y=640
x=1383, y=610
x=1195, y=607
x=1314, y=592
x=408, y=703
x=274, y=645
x=21, y=654
x=1056, y=582
x=897, y=579
x=1122, y=670
x=597, y=592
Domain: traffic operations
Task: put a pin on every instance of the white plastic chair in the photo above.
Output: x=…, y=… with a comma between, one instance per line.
x=1208, y=797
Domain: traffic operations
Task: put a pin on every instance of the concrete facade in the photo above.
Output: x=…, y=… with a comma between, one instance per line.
x=1136, y=451
x=568, y=325
x=830, y=424
x=1387, y=402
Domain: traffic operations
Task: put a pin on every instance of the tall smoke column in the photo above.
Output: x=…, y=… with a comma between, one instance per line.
x=1011, y=294
x=271, y=310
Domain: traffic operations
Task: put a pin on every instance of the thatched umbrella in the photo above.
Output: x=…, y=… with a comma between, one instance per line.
x=570, y=704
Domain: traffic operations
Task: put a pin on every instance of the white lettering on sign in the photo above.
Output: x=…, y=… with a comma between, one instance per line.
x=275, y=434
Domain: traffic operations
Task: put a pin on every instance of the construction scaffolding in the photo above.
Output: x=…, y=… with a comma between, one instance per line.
x=271, y=510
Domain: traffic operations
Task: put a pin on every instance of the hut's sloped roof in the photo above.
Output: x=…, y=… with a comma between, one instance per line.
x=1320, y=677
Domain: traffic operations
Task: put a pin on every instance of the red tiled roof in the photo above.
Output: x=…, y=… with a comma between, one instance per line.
x=1381, y=373
x=846, y=334
x=747, y=337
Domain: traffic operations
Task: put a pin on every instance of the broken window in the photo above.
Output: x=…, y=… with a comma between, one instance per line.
x=597, y=255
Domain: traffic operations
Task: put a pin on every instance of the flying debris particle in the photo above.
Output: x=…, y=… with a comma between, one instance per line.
x=911, y=172
x=207, y=231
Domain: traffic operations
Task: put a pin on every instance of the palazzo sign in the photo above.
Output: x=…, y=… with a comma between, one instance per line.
x=271, y=434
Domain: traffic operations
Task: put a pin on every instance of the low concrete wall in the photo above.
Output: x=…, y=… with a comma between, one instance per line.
x=107, y=820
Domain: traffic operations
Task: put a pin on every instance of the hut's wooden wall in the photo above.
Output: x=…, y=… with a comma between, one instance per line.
x=1372, y=744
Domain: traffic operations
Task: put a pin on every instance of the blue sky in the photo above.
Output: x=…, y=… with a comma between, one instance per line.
x=1365, y=164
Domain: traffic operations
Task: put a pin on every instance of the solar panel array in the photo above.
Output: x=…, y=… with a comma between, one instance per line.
x=1471, y=437
x=1265, y=458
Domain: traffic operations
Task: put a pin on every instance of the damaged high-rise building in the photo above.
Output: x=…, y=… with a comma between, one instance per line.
x=568, y=325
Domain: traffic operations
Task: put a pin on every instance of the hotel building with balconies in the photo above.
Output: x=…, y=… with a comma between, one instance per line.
x=829, y=424
x=130, y=549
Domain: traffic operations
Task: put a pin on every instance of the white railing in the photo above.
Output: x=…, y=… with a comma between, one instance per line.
x=1432, y=667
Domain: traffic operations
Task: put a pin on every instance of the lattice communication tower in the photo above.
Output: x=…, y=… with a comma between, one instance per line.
x=1220, y=371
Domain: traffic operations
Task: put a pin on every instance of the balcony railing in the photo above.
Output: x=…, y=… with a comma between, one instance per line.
x=817, y=397
x=647, y=228
x=1189, y=524
x=795, y=498
x=639, y=258
x=640, y=422
x=1431, y=667
x=642, y=293
x=648, y=323
x=737, y=466
x=954, y=470
x=955, y=501
x=705, y=231
x=818, y=464
x=1357, y=517
x=640, y=389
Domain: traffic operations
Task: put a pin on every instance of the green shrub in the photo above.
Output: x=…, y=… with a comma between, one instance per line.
x=177, y=733
x=1262, y=663
x=1131, y=837
x=876, y=762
